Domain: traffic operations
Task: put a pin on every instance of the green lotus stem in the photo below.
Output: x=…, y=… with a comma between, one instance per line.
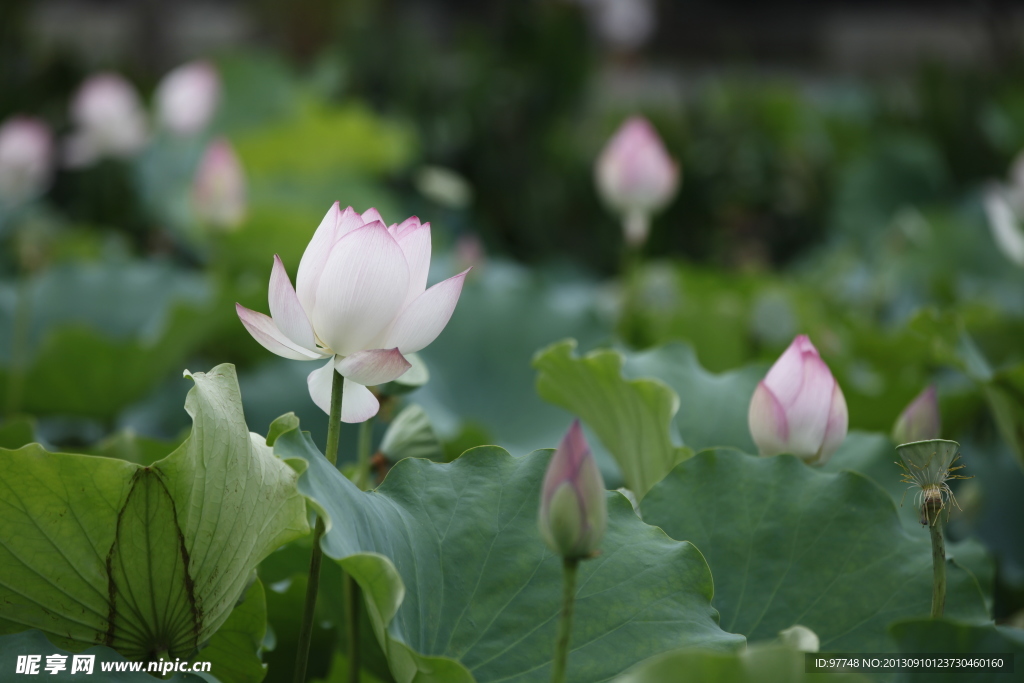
x=363, y=464
x=352, y=593
x=938, y=565
x=565, y=624
x=352, y=598
x=317, y=556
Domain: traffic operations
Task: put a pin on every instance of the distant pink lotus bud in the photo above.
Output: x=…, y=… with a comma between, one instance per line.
x=187, y=97
x=109, y=120
x=26, y=159
x=798, y=408
x=573, y=511
x=636, y=176
x=219, y=187
x=919, y=421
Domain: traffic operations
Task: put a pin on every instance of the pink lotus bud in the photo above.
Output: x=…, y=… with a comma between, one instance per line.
x=109, y=120
x=573, y=511
x=636, y=176
x=798, y=408
x=919, y=421
x=187, y=97
x=219, y=187
x=26, y=159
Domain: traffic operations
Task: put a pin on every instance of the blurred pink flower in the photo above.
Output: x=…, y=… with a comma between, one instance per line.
x=573, y=510
x=26, y=159
x=361, y=301
x=636, y=176
x=798, y=408
x=109, y=121
x=920, y=420
x=187, y=97
x=218, y=189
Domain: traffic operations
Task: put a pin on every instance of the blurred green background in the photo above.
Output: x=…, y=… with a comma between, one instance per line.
x=834, y=158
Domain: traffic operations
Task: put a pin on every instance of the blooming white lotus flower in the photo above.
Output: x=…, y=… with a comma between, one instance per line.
x=360, y=301
x=218, y=189
x=26, y=159
x=109, y=120
x=798, y=408
x=636, y=176
x=187, y=97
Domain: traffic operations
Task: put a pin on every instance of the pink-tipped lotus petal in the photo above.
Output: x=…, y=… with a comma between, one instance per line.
x=362, y=288
x=408, y=224
x=835, y=431
x=807, y=416
x=415, y=244
x=358, y=404
x=263, y=330
x=373, y=367
x=371, y=215
x=425, y=318
x=313, y=259
x=767, y=421
x=786, y=376
x=286, y=310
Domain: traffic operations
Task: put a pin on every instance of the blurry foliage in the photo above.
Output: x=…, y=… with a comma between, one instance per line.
x=847, y=211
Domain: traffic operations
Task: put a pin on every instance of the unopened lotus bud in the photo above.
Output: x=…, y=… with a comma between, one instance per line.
x=26, y=159
x=798, y=408
x=109, y=120
x=219, y=187
x=187, y=97
x=636, y=176
x=927, y=466
x=920, y=420
x=573, y=511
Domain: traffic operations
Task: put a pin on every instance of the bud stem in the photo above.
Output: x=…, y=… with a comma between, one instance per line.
x=565, y=624
x=317, y=556
x=938, y=561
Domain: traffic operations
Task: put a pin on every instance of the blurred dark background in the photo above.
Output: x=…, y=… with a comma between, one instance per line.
x=770, y=108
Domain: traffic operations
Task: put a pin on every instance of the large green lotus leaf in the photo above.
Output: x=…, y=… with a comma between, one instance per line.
x=144, y=559
x=98, y=337
x=460, y=586
x=34, y=642
x=760, y=663
x=946, y=636
x=790, y=545
x=633, y=418
x=712, y=407
x=480, y=378
x=234, y=650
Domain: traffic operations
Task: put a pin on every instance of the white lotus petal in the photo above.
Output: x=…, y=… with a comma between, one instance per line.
x=320, y=382
x=415, y=244
x=315, y=256
x=1006, y=229
x=373, y=367
x=424, y=318
x=362, y=288
x=286, y=310
x=358, y=404
x=263, y=330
